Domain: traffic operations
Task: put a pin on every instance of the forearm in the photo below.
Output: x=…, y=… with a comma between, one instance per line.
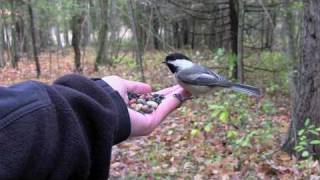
x=65, y=130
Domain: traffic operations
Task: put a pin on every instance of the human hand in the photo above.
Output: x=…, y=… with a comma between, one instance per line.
x=124, y=86
x=144, y=124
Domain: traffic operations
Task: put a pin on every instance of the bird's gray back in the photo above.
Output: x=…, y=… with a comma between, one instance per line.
x=200, y=75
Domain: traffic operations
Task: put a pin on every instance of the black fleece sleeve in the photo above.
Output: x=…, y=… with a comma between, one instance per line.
x=62, y=131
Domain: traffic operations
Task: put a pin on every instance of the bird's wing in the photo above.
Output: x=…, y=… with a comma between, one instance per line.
x=208, y=71
x=203, y=77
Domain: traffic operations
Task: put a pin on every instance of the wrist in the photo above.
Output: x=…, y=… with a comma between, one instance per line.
x=124, y=124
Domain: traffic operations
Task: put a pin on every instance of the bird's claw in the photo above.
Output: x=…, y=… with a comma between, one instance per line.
x=181, y=98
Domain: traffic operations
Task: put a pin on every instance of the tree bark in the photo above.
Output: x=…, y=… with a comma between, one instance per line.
x=185, y=35
x=27, y=42
x=57, y=32
x=14, y=50
x=7, y=44
x=2, y=59
x=289, y=34
x=33, y=38
x=306, y=97
x=66, y=35
x=234, y=34
x=193, y=33
x=86, y=33
x=137, y=40
x=76, y=24
x=155, y=30
x=176, y=35
x=20, y=32
x=102, y=36
x=240, y=69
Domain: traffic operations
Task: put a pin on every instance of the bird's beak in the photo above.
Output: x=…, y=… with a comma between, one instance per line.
x=163, y=62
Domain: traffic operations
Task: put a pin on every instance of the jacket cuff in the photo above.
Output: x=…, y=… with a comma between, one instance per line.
x=124, y=124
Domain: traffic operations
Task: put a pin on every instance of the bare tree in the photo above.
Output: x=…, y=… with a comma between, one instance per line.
x=2, y=43
x=76, y=25
x=240, y=69
x=234, y=9
x=57, y=33
x=33, y=38
x=66, y=34
x=307, y=88
x=155, y=29
x=289, y=33
x=137, y=40
x=14, y=49
x=101, y=54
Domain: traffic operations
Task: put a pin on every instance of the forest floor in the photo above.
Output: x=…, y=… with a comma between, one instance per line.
x=225, y=135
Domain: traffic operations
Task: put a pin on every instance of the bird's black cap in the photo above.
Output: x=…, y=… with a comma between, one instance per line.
x=175, y=56
x=172, y=57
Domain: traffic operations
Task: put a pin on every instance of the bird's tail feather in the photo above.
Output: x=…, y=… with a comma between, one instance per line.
x=246, y=89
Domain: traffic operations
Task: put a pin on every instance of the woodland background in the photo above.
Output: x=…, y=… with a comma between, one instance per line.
x=272, y=44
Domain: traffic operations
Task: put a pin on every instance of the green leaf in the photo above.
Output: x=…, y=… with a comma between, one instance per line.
x=311, y=126
x=299, y=148
x=220, y=52
x=208, y=127
x=314, y=132
x=301, y=131
x=215, y=113
x=306, y=123
x=232, y=134
x=303, y=143
x=215, y=106
x=224, y=116
x=195, y=132
x=305, y=154
x=315, y=142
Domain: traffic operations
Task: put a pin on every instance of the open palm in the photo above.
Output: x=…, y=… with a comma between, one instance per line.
x=144, y=124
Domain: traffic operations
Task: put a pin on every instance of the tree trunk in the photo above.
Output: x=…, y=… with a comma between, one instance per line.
x=86, y=33
x=27, y=42
x=176, y=35
x=45, y=37
x=102, y=36
x=2, y=59
x=185, y=35
x=66, y=35
x=20, y=32
x=155, y=30
x=7, y=44
x=137, y=40
x=289, y=34
x=234, y=34
x=240, y=69
x=14, y=50
x=76, y=24
x=193, y=33
x=306, y=94
x=33, y=38
x=57, y=32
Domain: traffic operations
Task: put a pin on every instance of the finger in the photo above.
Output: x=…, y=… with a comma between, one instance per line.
x=143, y=124
x=168, y=90
x=138, y=87
x=168, y=105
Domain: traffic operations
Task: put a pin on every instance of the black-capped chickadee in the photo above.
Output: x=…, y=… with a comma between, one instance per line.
x=198, y=79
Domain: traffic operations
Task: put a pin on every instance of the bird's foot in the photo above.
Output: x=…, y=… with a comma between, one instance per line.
x=182, y=98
